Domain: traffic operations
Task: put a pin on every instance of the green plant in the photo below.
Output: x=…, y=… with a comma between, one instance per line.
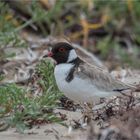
x=20, y=109
x=12, y=40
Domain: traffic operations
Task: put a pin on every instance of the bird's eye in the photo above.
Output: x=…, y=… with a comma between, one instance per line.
x=62, y=49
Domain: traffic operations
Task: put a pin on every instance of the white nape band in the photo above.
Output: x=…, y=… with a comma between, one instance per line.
x=72, y=55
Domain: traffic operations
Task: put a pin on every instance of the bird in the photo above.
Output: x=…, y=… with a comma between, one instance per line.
x=81, y=81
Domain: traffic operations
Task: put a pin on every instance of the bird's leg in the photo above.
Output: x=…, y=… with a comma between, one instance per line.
x=87, y=113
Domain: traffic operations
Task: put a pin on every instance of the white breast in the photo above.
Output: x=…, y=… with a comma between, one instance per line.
x=78, y=89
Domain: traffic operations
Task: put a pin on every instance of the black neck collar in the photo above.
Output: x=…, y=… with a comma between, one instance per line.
x=77, y=61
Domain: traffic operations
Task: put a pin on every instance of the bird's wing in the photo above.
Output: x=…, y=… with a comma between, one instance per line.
x=100, y=78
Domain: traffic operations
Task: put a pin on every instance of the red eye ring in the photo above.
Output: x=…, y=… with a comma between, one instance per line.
x=62, y=50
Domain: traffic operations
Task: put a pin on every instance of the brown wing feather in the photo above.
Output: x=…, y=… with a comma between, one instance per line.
x=100, y=78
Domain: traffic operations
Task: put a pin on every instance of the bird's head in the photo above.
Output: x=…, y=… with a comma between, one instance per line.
x=62, y=52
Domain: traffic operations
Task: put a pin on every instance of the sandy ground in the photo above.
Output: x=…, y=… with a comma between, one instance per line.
x=56, y=131
x=48, y=131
